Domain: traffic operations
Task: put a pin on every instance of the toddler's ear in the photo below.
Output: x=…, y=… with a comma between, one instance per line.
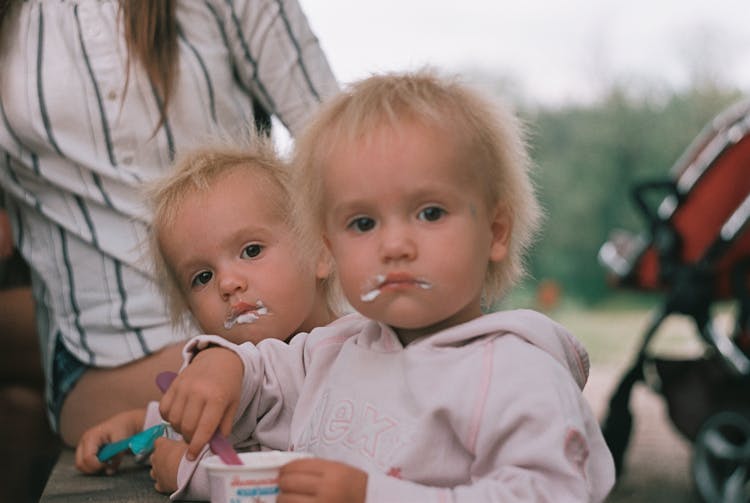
x=324, y=265
x=500, y=226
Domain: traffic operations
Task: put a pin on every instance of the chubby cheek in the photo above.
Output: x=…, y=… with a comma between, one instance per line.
x=464, y=272
x=352, y=275
x=206, y=317
x=213, y=327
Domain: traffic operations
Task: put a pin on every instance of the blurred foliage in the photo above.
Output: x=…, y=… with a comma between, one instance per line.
x=587, y=159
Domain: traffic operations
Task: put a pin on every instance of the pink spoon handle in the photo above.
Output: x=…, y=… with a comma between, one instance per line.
x=164, y=380
x=222, y=448
x=218, y=443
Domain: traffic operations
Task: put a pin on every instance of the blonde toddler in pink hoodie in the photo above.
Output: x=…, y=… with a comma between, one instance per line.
x=420, y=189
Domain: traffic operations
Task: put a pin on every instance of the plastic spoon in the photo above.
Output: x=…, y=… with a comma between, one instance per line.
x=218, y=443
x=138, y=444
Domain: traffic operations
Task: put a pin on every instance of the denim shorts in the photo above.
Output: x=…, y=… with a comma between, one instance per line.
x=66, y=371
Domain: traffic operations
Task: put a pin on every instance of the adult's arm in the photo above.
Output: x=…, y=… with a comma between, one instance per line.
x=103, y=392
x=278, y=57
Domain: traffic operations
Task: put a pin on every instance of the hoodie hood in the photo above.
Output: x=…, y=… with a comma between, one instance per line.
x=531, y=326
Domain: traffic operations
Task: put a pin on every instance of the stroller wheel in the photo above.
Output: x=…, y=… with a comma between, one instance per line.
x=721, y=458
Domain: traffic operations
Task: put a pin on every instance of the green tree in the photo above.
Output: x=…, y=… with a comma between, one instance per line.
x=588, y=158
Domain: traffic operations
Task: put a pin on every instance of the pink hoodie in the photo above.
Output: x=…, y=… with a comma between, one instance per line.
x=489, y=410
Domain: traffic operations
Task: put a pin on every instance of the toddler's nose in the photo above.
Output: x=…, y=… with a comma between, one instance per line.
x=397, y=243
x=230, y=284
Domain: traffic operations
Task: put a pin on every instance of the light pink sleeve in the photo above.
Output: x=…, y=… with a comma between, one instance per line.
x=273, y=374
x=192, y=479
x=269, y=391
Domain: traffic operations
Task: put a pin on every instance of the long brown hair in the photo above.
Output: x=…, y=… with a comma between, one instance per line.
x=151, y=35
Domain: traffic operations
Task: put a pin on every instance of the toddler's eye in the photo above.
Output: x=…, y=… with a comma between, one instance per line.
x=251, y=251
x=201, y=278
x=431, y=214
x=362, y=224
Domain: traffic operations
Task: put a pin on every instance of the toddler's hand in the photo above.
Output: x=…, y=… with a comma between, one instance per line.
x=165, y=462
x=116, y=428
x=315, y=480
x=204, y=397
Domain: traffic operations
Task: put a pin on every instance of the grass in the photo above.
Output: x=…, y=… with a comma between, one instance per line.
x=613, y=336
x=613, y=331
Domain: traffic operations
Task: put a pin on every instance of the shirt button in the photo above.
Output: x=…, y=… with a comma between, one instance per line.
x=127, y=161
x=112, y=95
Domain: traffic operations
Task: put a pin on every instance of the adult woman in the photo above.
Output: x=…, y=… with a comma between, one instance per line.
x=96, y=96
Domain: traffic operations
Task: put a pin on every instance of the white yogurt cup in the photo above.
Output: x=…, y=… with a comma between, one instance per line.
x=255, y=481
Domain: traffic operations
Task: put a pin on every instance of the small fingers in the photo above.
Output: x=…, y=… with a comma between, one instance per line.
x=299, y=483
x=227, y=421
x=196, y=446
x=88, y=447
x=152, y=473
x=310, y=465
x=294, y=498
x=192, y=415
x=171, y=408
x=210, y=418
x=83, y=455
x=111, y=466
x=165, y=404
x=88, y=464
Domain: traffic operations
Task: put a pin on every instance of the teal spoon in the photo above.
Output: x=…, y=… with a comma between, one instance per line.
x=137, y=444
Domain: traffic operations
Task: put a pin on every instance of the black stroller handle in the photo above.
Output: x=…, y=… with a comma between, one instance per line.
x=640, y=192
x=665, y=237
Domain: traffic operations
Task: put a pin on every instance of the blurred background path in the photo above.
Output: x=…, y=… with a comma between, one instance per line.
x=657, y=462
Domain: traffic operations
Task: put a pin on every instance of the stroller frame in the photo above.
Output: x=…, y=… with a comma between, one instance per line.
x=695, y=271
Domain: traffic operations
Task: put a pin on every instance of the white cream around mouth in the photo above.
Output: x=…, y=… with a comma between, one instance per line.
x=373, y=291
x=246, y=316
x=370, y=296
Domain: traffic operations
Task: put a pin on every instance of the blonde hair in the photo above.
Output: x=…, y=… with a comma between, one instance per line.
x=487, y=134
x=197, y=171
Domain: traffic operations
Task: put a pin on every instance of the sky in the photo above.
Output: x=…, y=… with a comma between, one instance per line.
x=552, y=51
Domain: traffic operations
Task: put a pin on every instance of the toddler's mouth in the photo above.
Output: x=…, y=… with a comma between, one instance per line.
x=374, y=286
x=243, y=312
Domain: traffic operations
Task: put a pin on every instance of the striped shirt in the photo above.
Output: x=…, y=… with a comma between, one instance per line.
x=76, y=146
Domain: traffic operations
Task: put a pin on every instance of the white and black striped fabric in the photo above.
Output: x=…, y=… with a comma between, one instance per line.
x=76, y=146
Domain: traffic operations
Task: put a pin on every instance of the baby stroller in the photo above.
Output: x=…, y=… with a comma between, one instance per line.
x=696, y=254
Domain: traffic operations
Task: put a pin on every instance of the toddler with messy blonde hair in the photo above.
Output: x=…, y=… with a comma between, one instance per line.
x=230, y=261
x=420, y=189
